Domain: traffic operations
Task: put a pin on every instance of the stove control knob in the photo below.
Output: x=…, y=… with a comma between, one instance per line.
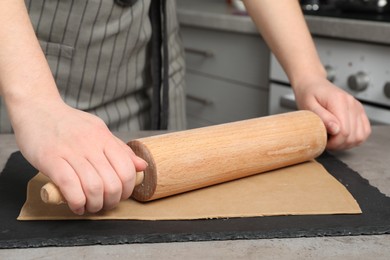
x=386, y=90
x=330, y=73
x=358, y=81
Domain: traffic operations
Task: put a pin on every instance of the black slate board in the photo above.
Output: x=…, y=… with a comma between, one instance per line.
x=23, y=234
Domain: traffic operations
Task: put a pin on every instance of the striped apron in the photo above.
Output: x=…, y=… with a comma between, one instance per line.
x=99, y=54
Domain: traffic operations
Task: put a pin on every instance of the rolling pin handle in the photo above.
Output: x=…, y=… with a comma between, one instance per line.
x=139, y=178
x=51, y=194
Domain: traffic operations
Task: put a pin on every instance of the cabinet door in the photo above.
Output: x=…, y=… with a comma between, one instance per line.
x=214, y=101
x=243, y=58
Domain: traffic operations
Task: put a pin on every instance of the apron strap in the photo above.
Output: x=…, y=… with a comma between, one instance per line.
x=160, y=65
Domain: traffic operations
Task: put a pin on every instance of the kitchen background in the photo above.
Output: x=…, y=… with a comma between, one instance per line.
x=231, y=74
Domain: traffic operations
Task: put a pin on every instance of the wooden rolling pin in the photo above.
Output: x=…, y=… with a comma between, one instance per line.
x=192, y=159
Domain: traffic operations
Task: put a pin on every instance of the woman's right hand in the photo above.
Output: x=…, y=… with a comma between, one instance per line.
x=93, y=169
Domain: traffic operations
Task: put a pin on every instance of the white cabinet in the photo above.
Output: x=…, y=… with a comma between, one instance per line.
x=227, y=76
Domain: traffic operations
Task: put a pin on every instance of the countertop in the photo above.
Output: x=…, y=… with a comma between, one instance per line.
x=371, y=160
x=215, y=14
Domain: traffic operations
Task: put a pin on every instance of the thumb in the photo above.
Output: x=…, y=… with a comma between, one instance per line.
x=330, y=121
x=332, y=127
x=139, y=163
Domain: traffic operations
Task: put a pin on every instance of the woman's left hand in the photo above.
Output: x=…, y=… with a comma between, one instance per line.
x=344, y=117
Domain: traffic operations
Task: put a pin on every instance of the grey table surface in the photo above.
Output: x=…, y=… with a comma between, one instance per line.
x=216, y=14
x=371, y=160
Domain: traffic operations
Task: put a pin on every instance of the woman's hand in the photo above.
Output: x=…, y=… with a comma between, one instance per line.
x=93, y=169
x=291, y=42
x=344, y=117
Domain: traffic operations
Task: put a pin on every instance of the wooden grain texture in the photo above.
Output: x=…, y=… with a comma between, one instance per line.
x=192, y=159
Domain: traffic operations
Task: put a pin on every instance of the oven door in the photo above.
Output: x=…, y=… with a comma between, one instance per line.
x=282, y=100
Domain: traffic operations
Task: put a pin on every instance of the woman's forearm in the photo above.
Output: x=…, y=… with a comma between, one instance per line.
x=283, y=27
x=24, y=71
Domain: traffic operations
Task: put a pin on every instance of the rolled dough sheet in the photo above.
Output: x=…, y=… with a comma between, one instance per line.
x=303, y=189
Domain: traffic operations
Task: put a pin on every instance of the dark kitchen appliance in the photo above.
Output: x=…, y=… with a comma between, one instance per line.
x=346, y=6
x=372, y=6
x=357, y=64
x=370, y=10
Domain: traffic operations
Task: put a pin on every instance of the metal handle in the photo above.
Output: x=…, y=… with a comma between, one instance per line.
x=288, y=101
x=203, y=101
x=203, y=53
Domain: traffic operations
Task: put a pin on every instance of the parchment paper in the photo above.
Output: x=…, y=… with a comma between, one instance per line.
x=304, y=189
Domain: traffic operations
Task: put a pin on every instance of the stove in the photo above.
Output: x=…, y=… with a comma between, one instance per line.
x=360, y=68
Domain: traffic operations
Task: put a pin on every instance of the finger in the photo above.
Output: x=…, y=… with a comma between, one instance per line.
x=121, y=161
x=363, y=128
x=339, y=141
x=63, y=175
x=335, y=142
x=330, y=121
x=332, y=126
x=361, y=132
x=359, y=124
x=111, y=182
x=139, y=163
x=367, y=126
x=355, y=131
x=91, y=183
x=347, y=123
x=354, y=128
